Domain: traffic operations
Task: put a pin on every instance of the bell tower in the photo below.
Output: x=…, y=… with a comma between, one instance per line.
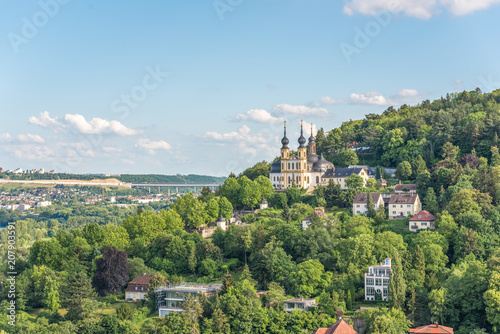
x=311, y=146
x=302, y=152
x=285, y=156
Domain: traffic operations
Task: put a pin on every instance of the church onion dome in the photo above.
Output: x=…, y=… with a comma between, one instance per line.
x=302, y=139
x=276, y=167
x=312, y=158
x=285, y=140
x=321, y=165
x=312, y=139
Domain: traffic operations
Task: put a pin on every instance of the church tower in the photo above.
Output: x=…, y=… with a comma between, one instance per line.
x=285, y=157
x=311, y=147
x=302, y=152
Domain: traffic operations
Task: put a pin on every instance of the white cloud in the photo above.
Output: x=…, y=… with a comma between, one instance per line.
x=260, y=116
x=329, y=100
x=30, y=151
x=29, y=138
x=44, y=120
x=98, y=126
x=299, y=110
x=369, y=98
x=408, y=92
x=422, y=9
x=4, y=137
x=245, y=141
x=152, y=146
x=111, y=149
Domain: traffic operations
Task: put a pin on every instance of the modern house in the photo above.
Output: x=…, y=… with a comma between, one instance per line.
x=170, y=299
x=403, y=205
x=138, y=288
x=359, y=204
x=405, y=188
x=340, y=327
x=432, y=329
x=377, y=280
x=299, y=303
x=422, y=220
x=320, y=211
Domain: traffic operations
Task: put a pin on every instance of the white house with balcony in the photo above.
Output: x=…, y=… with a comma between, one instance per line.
x=171, y=299
x=377, y=280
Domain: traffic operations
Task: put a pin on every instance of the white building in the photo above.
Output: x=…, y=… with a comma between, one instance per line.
x=299, y=304
x=403, y=205
x=171, y=299
x=422, y=220
x=377, y=280
x=320, y=211
x=43, y=204
x=360, y=203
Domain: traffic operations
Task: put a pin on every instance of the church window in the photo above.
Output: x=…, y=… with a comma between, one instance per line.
x=317, y=179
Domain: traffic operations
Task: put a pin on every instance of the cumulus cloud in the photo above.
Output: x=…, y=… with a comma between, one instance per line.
x=44, y=120
x=407, y=92
x=29, y=138
x=260, y=116
x=152, y=146
x=329, y=100
x=299, y=110
x=111, y=149
x=368, y=98
x=422, y=9
x=245, y=141
x=5, y=137
x=98, y=126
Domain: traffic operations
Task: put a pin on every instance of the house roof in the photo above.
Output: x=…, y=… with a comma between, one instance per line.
x=362, y=198
x=403, y=199
x=340, y=327
x=423, y=215
x=341, y=172
x=400, y=187
x=320, y=213
x=141, y=279
x=432, y=329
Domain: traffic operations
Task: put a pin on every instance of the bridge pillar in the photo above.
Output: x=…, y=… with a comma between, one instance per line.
x=168, y=192
x=176, y=190
x=149, y=190
x=158, y=190
x=195, y=189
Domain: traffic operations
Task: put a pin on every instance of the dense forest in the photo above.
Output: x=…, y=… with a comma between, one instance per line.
x=71, y=280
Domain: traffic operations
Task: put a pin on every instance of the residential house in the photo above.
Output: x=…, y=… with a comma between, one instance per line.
x=170, y=299
x=340, y=327
x=377, y=280
x=403, y=205
x=422, y=220
x=299, y=303
x=405, y=188
x=320, y=211
x=360, y=203
x=339, y=175
x=432, y=329
x=138, y=288
x=264, y=204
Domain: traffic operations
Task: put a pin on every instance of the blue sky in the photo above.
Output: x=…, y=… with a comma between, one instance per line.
x=203, y=86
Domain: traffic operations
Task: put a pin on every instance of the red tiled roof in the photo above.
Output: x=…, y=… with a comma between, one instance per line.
x=423, y=215
x=400, y=187
x=340, y=327
x=432, y=329
x=141, y=279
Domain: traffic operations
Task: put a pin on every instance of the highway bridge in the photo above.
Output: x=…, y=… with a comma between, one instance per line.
x=176, y=185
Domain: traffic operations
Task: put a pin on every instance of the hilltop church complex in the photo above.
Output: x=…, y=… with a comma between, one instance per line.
x=307, y=169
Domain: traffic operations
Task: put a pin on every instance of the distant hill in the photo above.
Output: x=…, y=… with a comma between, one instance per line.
x=469, y=120
x=129, y=178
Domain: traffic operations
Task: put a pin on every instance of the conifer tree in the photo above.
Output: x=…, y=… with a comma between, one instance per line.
x=397, y=285
x=430, y=201
x=286, y=214
x=371, y=207
x=349, y=300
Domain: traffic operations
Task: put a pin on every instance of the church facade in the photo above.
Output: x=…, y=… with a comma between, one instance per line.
x=307, y=169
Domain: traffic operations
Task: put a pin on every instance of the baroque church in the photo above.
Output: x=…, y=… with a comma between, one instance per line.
x=307, y=169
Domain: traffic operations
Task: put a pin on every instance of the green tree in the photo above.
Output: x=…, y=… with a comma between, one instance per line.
x=191, y=210
x=333, y=194
x=212, y=209
x=293, y=194
x=492, y=301
x=259, y=169
x=249, y=192
x=354, y=181
x=397, y=284
x=124, y=312
x=403, y=170
x=286, y=215
x=371, y=207
x=346, y=157
x=115, y=236
x=266, y=188
x=430, y=201
x=349, y=300
x=79, y=296
x=231, y=190
x=52, y=294
x=418, y=166
x=276, y=294
x=225, y=208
